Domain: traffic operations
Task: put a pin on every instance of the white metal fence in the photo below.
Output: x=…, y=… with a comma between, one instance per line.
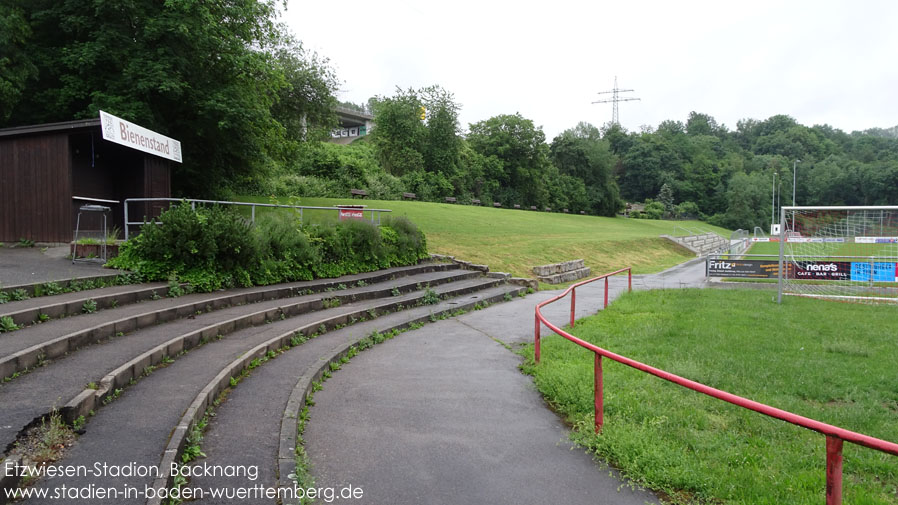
x=374, y=214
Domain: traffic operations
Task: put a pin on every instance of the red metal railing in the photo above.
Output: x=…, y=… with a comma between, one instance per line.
x=834, y=435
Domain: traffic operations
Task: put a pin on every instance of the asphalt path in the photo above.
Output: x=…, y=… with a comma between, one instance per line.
x=32, y=265
x=442, y=415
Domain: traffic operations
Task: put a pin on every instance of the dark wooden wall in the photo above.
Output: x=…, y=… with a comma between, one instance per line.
x=157, y=183
x=40, y=173
x=35, y=188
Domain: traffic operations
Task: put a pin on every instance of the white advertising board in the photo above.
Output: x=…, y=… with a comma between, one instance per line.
x=126, y=133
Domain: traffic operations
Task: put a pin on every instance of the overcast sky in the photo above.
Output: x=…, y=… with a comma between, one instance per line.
x=832, y=62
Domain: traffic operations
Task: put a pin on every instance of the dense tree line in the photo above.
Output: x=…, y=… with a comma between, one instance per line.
x=697, y=169
x=418, y=146
x=730, y=175
x=225, y=78
x=254, y=109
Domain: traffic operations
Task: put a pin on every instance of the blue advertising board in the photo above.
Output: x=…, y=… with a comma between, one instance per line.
x=882, y=271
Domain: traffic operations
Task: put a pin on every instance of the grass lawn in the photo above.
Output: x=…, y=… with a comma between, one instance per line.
x=844, y=249
x=516, y=240
x=828, y=361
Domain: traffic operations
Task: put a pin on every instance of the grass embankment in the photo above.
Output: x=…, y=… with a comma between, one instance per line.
x=515, y=241
x=824, y=360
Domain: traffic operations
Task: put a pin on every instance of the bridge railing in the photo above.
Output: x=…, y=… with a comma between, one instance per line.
x=835, y=436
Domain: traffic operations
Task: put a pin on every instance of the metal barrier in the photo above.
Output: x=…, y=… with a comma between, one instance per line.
x=739, y=242
x=375, y=213
x=835, y=436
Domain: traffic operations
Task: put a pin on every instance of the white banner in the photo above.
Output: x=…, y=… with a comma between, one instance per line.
x=128, y=134
x=875, y=240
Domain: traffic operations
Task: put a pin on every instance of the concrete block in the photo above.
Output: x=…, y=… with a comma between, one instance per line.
x=557, y=268
x=145, y=320
x=565, y=276
x=55, y=348
x=175, y=347
x=140, y=363
x=124, y=325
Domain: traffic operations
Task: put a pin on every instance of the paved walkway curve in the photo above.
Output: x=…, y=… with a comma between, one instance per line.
x=441, y=415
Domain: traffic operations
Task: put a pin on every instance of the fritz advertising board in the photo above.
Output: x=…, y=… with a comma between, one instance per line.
x=758, y=269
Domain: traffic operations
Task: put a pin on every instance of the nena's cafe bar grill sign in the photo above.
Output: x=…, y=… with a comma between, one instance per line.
x=126, y=133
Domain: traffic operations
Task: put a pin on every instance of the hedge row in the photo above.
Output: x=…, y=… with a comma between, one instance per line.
x=213, y=248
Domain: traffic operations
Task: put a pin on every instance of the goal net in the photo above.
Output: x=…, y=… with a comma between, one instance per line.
x=842, y=253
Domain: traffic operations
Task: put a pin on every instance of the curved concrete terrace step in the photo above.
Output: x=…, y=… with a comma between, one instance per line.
x=29, y=347
x=26, y=312
x=246, y=426
x=179, y=382
x=112, y=365
x=40, y=266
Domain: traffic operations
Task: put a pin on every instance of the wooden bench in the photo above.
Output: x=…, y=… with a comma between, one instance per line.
x=517, y=206
x=548, y=209
x=497, y=204
x=533, y=207
x=450, y=199
x=358, y=192
x=583, y=212
x=475, y=201
x=565, y=211
x=409, y=196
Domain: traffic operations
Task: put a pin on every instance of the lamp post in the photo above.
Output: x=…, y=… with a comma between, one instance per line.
x=773, y=203
x=794, y=181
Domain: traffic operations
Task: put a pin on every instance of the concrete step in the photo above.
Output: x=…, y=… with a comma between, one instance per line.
x=111, y=365
x=30, y=347
x=27, y=312
x=245, y=428
x=154, y=405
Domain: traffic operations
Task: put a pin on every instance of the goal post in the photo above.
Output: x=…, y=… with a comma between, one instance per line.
x=839, y=252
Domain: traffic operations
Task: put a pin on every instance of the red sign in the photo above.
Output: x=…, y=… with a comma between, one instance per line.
x=351, y=214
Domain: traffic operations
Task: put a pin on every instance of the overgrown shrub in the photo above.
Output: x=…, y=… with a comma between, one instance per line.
x=212, y=248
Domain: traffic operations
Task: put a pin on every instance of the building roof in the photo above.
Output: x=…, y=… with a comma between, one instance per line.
x=50, y=127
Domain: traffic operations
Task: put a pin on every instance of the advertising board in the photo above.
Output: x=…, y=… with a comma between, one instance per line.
x=758, y=269
x=882, y=271
x=821, y=270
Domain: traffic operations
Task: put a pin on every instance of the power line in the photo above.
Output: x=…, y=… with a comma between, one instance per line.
x=615, y=98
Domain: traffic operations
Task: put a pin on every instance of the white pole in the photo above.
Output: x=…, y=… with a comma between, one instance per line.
x=794, y=181
x=773, y=203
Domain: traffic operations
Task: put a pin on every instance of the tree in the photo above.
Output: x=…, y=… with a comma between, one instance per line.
x=703, y=124
x=521, y=149
x=305, y=106
x=665, y=198
x=399, y=134
x=207, y=73
x=647, y=165
x=16, y=68
x=405, y=143
x=442, y=144
x=747, y=202
x=580, y=152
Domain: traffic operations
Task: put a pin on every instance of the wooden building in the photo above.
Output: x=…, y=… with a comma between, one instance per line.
x=48, y=171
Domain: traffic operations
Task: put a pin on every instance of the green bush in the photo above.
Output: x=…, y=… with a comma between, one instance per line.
x=653, y=210
x=212, y=248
